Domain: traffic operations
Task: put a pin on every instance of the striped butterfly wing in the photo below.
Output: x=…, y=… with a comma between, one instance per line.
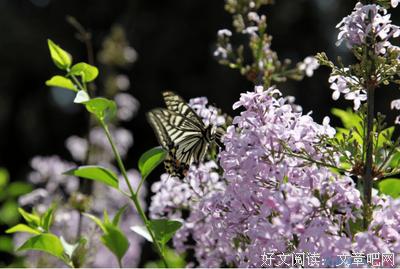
x=180, y=131
x=176, y=103
x=193, y=147
x=157, y=122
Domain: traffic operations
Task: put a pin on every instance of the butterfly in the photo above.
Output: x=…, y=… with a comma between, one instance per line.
x=182, y=133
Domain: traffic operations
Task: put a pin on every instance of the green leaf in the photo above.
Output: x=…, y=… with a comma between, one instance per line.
x=95, y=172
x=173, y=260
x=86, y=71
x=81, y=97
x=106, y=219
x=47, y=219
x=79, y=254
x=61, y=82
x=142, y=231
x=60, y=57
x=384, y=136
x=18, y=188
x=150, y=160
x=395, y=159
x=95, y=220
x=348, y=118
x=4, y=177
x=22, y=228
x=356, y=226
x=6, y=244
x=115, y=240
x=390, y=186
x=102, y=108
x=32, y=219
x=69, y=249
x=9, y=212
x=164, y=229
x=118, y=215
x=44, y=242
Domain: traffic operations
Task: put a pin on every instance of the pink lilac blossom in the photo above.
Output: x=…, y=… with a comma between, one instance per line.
x=128, y=106
x=101, y=151
x=209, y=114
x=175, y=198
x=308, y=66
x=349, y=86
x=280, y=209
x=269, y=201
x=368, y=21
x=395, y=104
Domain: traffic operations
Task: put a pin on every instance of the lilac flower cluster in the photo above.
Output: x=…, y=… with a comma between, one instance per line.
x=175, y=198
x=286, y=205
x=208, y=113
x=368, y=22
x=349, y=86
x=308, y=66
x=268, y=201
x=367, y=25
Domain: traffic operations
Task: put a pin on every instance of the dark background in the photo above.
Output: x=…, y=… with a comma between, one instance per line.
x=175, y=42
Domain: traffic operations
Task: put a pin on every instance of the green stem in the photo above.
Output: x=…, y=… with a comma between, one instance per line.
x=368, y=156
x=140, y=185
x=134, y=196
x=80, y=86
x=314, y=161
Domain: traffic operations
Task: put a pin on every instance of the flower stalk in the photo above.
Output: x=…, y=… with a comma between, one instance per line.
x=133, y=194
x=368, y=155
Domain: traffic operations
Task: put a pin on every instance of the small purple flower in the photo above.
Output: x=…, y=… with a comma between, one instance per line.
x=368, y=21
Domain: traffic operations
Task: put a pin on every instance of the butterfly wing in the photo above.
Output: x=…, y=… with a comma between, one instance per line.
x=160, y=128
x=181, y=132
x=176, y=103
x=174, y=130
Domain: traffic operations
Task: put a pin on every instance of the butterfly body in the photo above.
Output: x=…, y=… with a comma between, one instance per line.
x=181, y=132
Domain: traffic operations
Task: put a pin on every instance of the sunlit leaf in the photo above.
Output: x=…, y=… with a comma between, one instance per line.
x=69, y=249
x=47, y=218
x=164, y=229
x=115, y=240
x=9, y=212
x=95, y=220
x=384, y=136
x=86, y=71
x=61, y=82
x=390, y=186
x=44, y=242
x=81, y=97
x=18, y=188
x=32, y=219
x=22, y=228
x=150, y=160
x=348, y=118
x=4, y=177
x=142, y=231
x=102, y=108
x=118, y=215
x=60, y=57
x=395, y=159
x=97, y=173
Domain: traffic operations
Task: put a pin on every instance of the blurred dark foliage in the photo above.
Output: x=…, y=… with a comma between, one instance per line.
x=175, y=42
